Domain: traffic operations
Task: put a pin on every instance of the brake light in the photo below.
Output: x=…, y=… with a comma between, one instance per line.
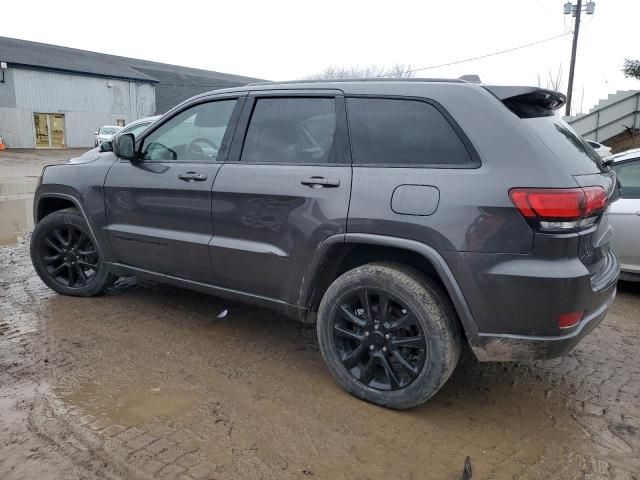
x=596, y=200
x=559, y=209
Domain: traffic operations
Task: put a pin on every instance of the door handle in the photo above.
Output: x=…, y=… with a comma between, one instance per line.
x=320, y=182
x=192, y=177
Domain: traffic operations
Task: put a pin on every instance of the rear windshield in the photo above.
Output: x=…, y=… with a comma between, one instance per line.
x=566, y=144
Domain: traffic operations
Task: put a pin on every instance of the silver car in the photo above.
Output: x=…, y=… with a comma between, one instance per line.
x=625, y=213
x=105, y=134
x=138, y=126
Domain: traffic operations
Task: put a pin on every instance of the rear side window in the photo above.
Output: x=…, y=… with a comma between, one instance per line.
x=290, y=130
x=569, y=147
x=402, y=132
x=628, y=174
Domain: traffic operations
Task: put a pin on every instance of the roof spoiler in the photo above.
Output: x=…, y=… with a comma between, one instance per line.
x=528, y=102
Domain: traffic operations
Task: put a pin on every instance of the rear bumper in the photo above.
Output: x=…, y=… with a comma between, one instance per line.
x=516, y=303
x=504, y=347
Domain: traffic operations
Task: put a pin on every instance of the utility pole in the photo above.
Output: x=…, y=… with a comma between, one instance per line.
x=575, y=10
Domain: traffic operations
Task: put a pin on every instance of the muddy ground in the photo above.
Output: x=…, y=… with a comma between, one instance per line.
x=19, y=172
x=147, y=382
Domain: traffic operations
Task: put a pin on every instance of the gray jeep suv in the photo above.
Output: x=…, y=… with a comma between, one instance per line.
x=405, y=218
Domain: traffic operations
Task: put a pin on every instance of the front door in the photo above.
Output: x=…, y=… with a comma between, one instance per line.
x=159, y=207
x=287, y=191
x=49, y=128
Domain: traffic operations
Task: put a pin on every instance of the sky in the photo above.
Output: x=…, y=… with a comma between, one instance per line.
x=286, y=40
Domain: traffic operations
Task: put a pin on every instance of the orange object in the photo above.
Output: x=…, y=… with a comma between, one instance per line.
x=1, y=144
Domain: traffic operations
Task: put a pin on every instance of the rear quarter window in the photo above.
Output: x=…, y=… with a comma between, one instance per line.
x=403, y=132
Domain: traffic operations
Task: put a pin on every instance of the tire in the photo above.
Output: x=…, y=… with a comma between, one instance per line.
x=413, y=301
x=53, y=243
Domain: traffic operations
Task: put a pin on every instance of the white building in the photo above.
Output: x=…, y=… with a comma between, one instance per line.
x=56, y=97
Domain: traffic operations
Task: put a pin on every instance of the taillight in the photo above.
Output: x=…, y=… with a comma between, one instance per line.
x=560, y=209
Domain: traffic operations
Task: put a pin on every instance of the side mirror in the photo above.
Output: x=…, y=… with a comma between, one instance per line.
x=95, y=133
x=124, y=146
x=106, y=147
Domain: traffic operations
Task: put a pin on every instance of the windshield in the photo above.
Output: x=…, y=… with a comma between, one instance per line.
x=566, y=144
x=108, y=130
x=136, y=129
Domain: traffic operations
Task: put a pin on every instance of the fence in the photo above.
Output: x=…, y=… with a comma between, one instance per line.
x=613, y=115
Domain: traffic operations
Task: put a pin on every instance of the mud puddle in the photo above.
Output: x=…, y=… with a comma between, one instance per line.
x=16, y=211
x=129, y=407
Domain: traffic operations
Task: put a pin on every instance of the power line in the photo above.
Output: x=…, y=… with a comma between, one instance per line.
x=500, y=52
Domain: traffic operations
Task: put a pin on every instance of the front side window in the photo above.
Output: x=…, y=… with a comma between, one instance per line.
x=628, y=174
x=402, y=132
x=290, y=130
x=193, y=135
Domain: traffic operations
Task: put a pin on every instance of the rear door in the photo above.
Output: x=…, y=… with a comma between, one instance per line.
x=285, y=192
x=625, y=216
x=159, y=207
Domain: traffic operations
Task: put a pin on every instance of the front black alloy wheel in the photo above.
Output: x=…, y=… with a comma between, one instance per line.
x=378, y=339
x=66, y=257
x=69, y=256
x=388, y=334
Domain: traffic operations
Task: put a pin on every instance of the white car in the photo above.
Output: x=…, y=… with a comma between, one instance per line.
x=138, y=126
x=600, y=149
x=624, y=215
x=105, y=133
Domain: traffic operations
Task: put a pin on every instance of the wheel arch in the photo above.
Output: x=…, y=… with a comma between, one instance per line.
x=340, y=253
x=50, y=202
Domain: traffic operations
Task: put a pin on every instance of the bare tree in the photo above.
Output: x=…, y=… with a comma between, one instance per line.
x=554, y=80
x=372, y=71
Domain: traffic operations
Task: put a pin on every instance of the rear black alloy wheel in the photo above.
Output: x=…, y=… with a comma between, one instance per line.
x=388, y=334
x=69, y=256
x=378, y=339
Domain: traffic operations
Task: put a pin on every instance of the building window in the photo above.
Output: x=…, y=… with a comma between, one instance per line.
x=120, y=122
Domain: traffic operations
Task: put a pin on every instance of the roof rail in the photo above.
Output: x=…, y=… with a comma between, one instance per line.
x=375, y=79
